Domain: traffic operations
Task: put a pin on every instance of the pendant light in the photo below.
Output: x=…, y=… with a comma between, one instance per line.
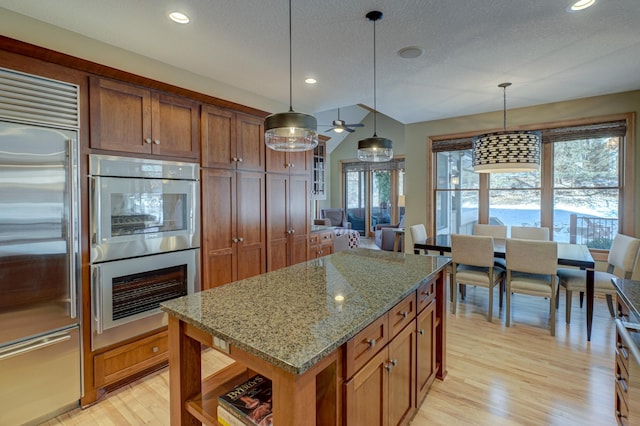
x=374, y=149
x=506, y=152
x=291, y=131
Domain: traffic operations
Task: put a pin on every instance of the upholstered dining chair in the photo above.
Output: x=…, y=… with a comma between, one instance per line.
x=418, y=233
x=495, y=231
x=531, y=270
x=620, y=264
x=472, y=263
x=539, y=233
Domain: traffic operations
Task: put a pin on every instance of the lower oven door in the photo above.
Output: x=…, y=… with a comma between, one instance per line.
x=127, y=293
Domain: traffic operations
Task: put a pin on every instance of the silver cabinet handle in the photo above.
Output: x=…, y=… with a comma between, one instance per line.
x=404, y=314
x=157, y=141
x=147, y=140
x=371, y=342
x=32, y=345
x=98, y=299
x=391, y=364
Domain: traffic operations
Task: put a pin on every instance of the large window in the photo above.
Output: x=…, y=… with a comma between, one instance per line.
x=374, y=193
x=577, y=193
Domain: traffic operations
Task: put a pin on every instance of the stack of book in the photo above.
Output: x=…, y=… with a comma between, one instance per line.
x=247, y=404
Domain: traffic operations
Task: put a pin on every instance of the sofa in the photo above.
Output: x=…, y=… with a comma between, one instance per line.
x=385, y=235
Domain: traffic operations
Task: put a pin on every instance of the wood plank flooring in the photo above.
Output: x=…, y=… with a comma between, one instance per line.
x=496, y=375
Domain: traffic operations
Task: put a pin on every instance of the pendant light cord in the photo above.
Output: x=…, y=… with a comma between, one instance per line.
x=504, y=108
x=375, y=107
x=290, y=64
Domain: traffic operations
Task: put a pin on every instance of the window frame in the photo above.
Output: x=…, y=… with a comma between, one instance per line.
x=627, y=162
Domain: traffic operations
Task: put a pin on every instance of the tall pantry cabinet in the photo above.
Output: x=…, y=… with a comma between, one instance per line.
x=233, y=196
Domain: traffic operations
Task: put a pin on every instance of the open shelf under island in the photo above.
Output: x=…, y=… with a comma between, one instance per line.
x=353, y=338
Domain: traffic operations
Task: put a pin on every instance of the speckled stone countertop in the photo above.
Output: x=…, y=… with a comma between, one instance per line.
x=629, y=290
x=291, y=318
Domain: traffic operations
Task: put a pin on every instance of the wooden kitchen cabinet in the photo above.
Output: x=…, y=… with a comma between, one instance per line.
x=232, y=140
x=233, y=224
x=319, y=172
x=382, y=392
x=287, y=219
x=320, y=244
x=299, y=163
x=133, y=119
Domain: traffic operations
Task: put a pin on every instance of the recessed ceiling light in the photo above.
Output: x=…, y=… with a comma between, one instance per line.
x=581, y=5
x=310, y=80
x=410, y=52
x=179, y=17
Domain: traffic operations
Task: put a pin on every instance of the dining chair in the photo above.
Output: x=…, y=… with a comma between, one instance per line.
x=620, y=264
x=530, y=233
x=418, y=233
x=472, y=263
x=495, y=231
x=531, y=270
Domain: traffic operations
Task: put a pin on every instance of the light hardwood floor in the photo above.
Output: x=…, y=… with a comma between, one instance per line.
x=497, y=375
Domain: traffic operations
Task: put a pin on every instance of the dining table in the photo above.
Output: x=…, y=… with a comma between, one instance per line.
x=569, y=254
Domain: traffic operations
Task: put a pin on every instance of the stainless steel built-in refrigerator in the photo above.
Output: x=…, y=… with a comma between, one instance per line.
x=40, y=368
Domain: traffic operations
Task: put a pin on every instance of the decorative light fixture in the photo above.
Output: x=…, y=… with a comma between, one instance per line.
x=581, y=5
x=506, y=152
x=291, y=131
x=179, y=17
x=374, y=149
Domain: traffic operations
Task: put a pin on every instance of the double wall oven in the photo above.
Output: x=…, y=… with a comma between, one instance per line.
x=145, y=239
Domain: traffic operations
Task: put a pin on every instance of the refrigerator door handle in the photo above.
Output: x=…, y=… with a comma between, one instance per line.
x=33, y=345
x=97, y=299
x=72, y=239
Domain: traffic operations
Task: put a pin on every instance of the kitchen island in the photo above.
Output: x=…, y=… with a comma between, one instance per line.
x=314, y=329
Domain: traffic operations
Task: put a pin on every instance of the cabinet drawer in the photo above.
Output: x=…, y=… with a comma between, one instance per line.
x=402, y=314
x=622, y=354
x=425, y=294
x=622, y=376
x=364, y=345
x=622, y=409
x=129, y=359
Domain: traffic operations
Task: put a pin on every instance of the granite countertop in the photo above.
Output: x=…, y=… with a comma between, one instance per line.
x=629, y=290
x=291, y=318
x=321, y=228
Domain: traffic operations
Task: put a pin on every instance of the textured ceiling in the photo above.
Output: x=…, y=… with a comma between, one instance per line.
x=470, y=46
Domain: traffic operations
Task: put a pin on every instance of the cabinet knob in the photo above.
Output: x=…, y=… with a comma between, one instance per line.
x=154, y=349
x=404, y=314
x=293, y=231
x=241, y=239
x=240, y=160
x=421, y=331
x=157, y=141
x=391, y=364
x=235, y=240
x=292, y=165
x=147, y=140
x=235, y=159
x=371, y=342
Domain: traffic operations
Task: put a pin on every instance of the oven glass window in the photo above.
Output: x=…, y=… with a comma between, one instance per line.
x=147, y=212
x=141, y=292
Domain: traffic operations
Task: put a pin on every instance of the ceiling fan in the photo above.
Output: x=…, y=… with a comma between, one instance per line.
x=339, y=125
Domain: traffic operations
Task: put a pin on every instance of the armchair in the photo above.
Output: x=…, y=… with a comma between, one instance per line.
x=384, y=235
x=337, y=217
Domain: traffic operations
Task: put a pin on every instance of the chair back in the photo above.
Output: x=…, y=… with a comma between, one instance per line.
x=335, y=215
x=534, y=257
x=495, y=231
x=418, y=233
x=623, y=253
x=473, y=250
x=530, y=233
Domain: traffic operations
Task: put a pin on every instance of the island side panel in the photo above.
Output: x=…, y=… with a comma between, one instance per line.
x=441, y=329
x=184, y=372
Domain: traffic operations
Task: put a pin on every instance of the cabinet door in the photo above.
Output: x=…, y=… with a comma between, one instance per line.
x=250, y=147
x=175, y=126
x=277, y=221
x=301, y=162
x=250, y=215
x=366, y=394
x=218, y=227
x=277, y=161
x=120, y=116
x=299, y=193
x=425, y=350
x=218, y=138
x=402, y=376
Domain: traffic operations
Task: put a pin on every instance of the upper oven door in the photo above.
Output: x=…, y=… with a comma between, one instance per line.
x=140, y=216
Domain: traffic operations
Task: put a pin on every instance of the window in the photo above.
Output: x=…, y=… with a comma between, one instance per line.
x=373, y=193
x=577, y=193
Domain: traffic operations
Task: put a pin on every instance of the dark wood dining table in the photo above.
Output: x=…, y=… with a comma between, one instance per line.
x=577, y=255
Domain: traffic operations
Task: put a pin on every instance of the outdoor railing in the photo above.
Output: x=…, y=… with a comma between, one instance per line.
x=595, y=232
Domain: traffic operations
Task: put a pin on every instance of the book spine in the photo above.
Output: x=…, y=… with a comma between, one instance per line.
x=225, y=418
x=231, y=411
